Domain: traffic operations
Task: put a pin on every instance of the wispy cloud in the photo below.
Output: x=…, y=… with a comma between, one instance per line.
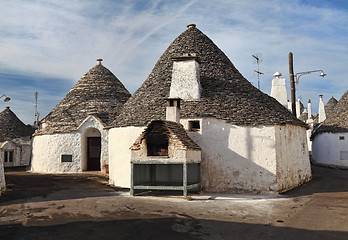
x=53, y=43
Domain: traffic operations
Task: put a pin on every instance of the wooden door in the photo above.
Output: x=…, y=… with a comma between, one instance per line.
x=93, y=153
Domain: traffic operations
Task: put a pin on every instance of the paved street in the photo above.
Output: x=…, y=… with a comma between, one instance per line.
x=82, y=206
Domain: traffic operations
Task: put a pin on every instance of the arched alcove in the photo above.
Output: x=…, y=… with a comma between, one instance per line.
x=91, y=149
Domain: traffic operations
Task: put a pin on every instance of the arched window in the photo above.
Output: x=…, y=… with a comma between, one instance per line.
x=157, y=144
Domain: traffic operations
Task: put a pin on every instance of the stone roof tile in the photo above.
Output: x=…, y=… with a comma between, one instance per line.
x=97, y=93
x=12, y=127
x=226, y=94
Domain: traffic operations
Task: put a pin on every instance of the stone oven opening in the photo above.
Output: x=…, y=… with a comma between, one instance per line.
x=157, y=144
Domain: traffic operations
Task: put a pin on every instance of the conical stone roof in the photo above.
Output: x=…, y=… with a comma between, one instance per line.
x=226, y=94
x=98, y=93
x=12, y=127
x=330, y=105
x=337, y=121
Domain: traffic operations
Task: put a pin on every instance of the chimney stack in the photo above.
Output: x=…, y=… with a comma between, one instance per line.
x=309, y=106
x=298, y=108
x=322, y=115
x=185, y=82
x=173, y=109
x=278, y=90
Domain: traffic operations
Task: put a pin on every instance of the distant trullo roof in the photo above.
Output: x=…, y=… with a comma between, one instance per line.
x=98, y=93
x=337, y=121
x=226, y=94
x=330, y=105
x=12, y=127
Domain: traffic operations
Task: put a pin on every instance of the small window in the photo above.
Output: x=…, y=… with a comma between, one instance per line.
x=171, y=103
x=157, y=145
x=66, y=158
x=8, y=156
x=341, y=137
x=194, y=126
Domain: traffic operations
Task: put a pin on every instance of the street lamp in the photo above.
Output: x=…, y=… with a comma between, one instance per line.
x=6, y=99
x=297, y=77
x=322, y=74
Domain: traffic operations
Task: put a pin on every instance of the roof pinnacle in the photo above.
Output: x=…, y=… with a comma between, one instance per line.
x=99, y=61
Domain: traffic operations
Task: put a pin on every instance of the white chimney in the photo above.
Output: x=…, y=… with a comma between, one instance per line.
x=322, y=115
x=309, y=106
x=173, y=110
x=298, y=108
x=185, y=83
x=278, y=90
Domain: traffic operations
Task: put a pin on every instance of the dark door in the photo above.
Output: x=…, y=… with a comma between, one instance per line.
x=93, y=153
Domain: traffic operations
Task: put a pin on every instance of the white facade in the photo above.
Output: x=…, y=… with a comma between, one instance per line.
x=47, y=150
x=258, y=159
x=120, y=141
x=19, y=148
x=330, y=149
x=2, y=178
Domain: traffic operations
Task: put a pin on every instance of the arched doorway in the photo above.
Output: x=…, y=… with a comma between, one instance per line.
x=91, y=149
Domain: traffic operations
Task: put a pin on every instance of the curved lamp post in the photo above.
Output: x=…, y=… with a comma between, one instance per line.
x=6, y=99
x=297, y=77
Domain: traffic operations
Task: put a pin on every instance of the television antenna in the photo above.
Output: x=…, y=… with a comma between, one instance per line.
x=36, y=122
x=258, y=59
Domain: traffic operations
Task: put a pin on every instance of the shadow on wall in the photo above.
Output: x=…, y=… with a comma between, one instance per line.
x=224, y=170
x=160, y=228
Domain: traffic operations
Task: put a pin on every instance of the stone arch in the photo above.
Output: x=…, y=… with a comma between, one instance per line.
x=91, y=149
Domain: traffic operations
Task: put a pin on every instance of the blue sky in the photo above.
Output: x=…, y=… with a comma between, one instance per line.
x=47, y=46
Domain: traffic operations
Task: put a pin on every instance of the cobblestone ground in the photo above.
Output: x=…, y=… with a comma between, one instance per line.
x=83, y=206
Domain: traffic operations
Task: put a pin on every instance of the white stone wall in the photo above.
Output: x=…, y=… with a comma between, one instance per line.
x=330, y=149
x=47, y=149
x=2, y=178
x=185, y=80
x=235, y=157
x=293, y=165
x=120, y=141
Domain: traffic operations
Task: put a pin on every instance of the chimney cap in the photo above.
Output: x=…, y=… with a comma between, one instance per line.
x=320, y=95
x=192, y=25
x=309, y=101
x=277, y=74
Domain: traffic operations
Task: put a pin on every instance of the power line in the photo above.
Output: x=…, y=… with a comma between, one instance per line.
x=319, y=91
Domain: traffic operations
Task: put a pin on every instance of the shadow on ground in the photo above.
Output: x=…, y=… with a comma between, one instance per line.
x=32, y=187
x=162, y=228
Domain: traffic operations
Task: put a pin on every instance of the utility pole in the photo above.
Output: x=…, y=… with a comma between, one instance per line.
x=292, y=84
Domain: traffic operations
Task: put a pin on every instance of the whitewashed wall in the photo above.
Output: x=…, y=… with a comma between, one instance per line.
x=2, y=178
x=21, y=152
x=120, y=141
x=47, y=149
x=327, y=148
x=293, y=165
x=234, y=158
